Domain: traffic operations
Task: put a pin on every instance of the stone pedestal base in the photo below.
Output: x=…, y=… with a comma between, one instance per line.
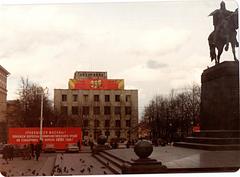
x=220, y=97
x=143, y=166
x=219, y=111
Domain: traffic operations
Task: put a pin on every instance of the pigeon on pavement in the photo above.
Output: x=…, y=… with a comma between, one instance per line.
x=89, y=170
x=33, y=172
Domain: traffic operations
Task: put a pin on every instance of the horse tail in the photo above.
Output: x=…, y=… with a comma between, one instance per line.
x=211, y=46
x=212, y=52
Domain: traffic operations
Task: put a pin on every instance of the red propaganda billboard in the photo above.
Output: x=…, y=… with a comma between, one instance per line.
x=96, y=84
x=60, y=137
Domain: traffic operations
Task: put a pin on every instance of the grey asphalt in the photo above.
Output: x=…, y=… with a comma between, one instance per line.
x=84, y=164
x=178, y=157
x=79, y=164
x=20, y=167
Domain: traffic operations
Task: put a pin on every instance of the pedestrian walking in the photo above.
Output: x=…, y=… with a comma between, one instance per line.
x=5, y=153
x=37, y=150
x=79, y=144
x=91, y=142
x=11, y=152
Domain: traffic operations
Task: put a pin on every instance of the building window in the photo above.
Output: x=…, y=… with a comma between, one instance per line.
x=64, y=110
x=128, y=123
x=107, y=123
x=107, y=133
x=64, y=97
x=96, y=123
x=128, y=98
x=75, y=98
x=96, y=110
x=107, y=110
x=128, y=110
x=85, y=123
x=117, y=133
x=85, y=97
x=85, y=110
x=118, y=123
x=117, y=110
x=117, y=98
x=74, y=110
x=107, y=98
x=96, y=98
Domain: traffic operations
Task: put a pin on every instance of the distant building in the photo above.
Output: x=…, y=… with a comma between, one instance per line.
x=101, y=105
x=3, y=102
x=13, y=117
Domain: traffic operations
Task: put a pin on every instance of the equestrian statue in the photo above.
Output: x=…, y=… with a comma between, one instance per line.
x=225, y=25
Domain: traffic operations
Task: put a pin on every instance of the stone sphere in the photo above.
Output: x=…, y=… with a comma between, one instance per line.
x=102, y=139
x=143, y=149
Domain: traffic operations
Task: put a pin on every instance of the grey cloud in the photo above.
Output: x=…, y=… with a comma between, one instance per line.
x=152, y=64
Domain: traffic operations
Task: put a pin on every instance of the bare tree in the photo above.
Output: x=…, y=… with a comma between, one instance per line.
x=175, y=114
x=30, y=103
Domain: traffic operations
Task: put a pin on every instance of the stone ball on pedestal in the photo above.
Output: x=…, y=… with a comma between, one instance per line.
x=143, y=149
x=102, y=139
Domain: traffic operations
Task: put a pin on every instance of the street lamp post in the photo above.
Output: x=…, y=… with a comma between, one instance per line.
x=42, y=93
x=41, y=117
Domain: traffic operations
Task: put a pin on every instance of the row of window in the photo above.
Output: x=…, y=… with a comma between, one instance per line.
x=106, y=123
x=107, y=133
x=96, y=110
x=96, y=98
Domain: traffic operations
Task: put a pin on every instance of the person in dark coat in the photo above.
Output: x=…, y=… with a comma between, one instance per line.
x=11, y=152
x=79, y=144
x=37, y=150
x=5, y=153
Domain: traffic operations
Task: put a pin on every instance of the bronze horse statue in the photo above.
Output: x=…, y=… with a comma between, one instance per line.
x=222, y=36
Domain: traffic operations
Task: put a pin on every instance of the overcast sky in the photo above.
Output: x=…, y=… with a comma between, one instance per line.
x=154, y=46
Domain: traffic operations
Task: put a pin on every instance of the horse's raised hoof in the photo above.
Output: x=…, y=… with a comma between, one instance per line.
x=237, y=44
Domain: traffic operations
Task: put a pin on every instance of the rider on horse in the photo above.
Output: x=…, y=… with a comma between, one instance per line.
x=219, y=16
x=225, y=24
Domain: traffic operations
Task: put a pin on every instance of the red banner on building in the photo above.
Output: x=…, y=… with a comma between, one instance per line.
x=96, y=84
x=60, y=137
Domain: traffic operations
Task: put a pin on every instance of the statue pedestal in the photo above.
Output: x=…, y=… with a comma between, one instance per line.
x=144, y=166
x=219, y=110
x=220, y=97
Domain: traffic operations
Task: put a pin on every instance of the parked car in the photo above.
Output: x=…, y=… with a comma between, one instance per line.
x=50, y=148
x=122, y=145
x=18, y=150
x=73, y=147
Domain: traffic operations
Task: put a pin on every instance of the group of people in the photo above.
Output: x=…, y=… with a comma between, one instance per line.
x=28, y=151
x=32, y=151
